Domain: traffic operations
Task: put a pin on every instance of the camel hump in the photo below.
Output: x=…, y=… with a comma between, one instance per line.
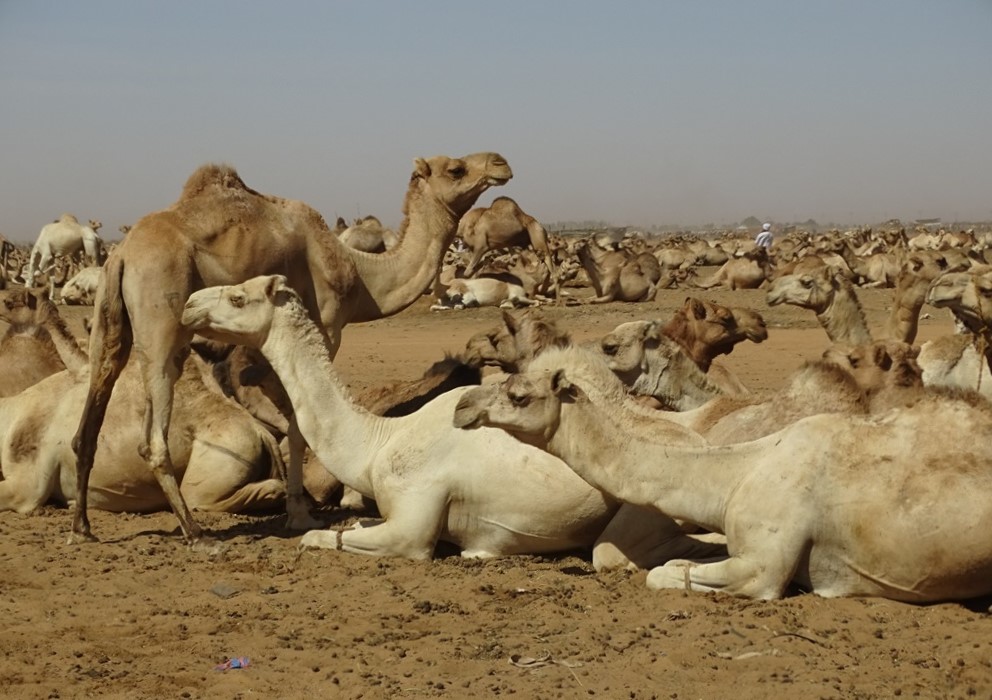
x=68, y=219
x=212, y=176
x=503, y=201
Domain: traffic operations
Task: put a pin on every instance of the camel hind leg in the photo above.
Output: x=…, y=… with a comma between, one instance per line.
x=412, y=533
x=735, y=575
x=228, y=478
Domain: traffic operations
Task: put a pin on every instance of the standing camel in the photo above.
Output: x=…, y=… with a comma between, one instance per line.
x=501, y=225
x=222, y=232
x=65, y=237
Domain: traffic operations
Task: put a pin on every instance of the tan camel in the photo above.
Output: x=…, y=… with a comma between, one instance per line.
x=707, y=330
x=220, y=231
x=37, y=344
x=512, y=344
x=224, y=460
x=961, y=360
x=918, y=271
x=370, y=235
x=65, y=237
x=616, y=277
x=876, y=270
x=746, y=272
x=796, y=506
x=500, y=225
x=829, y=295
x=486, y=493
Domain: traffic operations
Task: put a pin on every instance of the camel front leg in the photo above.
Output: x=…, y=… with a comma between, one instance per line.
x=297, y=509
x=735, y=575
x=160, y=383
x=412, y=535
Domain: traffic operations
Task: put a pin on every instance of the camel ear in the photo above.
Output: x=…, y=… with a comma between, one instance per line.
x=276, y=283
x=695, y=307
x=420, y=169
x=652, y=331
x=561, y=386
x=882, y=358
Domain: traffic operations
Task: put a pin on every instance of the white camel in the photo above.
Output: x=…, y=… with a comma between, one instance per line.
x=840, y=505
x=486, y=493
x=482, y=291
x=81, y=287
x=65, y=237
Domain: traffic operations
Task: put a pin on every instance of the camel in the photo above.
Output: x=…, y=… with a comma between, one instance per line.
x=918, y=271
x=81, y=287
x=961, y=359
x=615, y=277
x=512, y=344
x=706, y=329
x=486, y=493
x=470, y=293
x=500, y=225
x=370, y=235
x=746, y=272
x=29, y=351
x=876, y=270
x=220, y=231
x=802, y=505
x=830, y=296
x=64, y=237
x=224, y=460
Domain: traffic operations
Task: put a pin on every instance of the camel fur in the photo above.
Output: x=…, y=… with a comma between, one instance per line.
x=803, y=505
x=615, y=277
x=220, y=232
x=81, y=287
x=485, y=492
x=830, y=296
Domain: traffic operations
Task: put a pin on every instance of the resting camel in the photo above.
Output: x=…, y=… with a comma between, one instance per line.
x=36, y=342
x=224, y=460
x=961, y=359
x=829, y=294
x=65, y=237
x=486, y=493
x=746, y=272
x=81, y=287
x=918, y=271
x=500, y=225
x=614, y=276
x=370, y=235
x=801, y=505
x=463, y=293
x=220, y=231
x=511, y=345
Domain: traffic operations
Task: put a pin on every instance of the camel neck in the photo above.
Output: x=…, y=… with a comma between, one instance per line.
x=398, y=277
x=331, y=424
x=844, y=320
x=691, y=483
x=904, y=320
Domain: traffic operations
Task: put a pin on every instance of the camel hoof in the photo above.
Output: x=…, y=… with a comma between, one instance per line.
x=80, y=538
x=303, y=521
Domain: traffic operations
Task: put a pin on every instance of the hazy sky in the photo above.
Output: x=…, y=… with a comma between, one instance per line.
x=630, y=112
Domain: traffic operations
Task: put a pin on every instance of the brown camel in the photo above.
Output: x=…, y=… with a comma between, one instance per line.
x=918, y=271
x=706, y=330
x=617, y=277
x=500, y=225
x=222, y=232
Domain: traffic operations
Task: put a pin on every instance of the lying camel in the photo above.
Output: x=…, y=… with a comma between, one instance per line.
x=512, y=344
x=614, y=276
x=37, y=344
x=81, y=287
x=801, y=505
x=221, y=231
x=707, y=330
x=828, y=294
x=746, y=272
x=224, y=460
x=369, y=235
x=500, y=225
x=486, y=493
x=474, y=292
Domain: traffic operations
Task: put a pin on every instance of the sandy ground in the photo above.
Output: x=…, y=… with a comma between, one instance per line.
x=141, y=615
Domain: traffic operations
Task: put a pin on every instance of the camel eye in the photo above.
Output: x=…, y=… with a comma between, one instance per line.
x=457, y=172
x=610, y=349
x=237, y=301
x=519, y=400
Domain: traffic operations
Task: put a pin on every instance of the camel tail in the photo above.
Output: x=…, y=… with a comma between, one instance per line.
x=110, y=346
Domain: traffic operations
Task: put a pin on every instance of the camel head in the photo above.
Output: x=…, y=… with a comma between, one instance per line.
x=528, y=406
x=458, y=182
x=879, y=365
x=24, y=306
x=812, y=290
x=624, y=347
x=96, y=225
x=522, y=336
x=241, y=314
x=967, y=294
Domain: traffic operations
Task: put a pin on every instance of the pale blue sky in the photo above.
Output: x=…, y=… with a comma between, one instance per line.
x=632, y=112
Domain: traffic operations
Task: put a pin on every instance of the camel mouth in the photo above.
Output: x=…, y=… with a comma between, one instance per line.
x=497, y=181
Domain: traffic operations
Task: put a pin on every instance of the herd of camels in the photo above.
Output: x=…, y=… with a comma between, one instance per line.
x=862, y=476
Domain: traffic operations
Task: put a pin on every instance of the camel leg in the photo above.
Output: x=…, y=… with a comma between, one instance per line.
x=735, y=575
x=26, y=486
x=410, y=533
x=220, y=478
x=641, y=537
x=160, y=379
x=297, y=509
